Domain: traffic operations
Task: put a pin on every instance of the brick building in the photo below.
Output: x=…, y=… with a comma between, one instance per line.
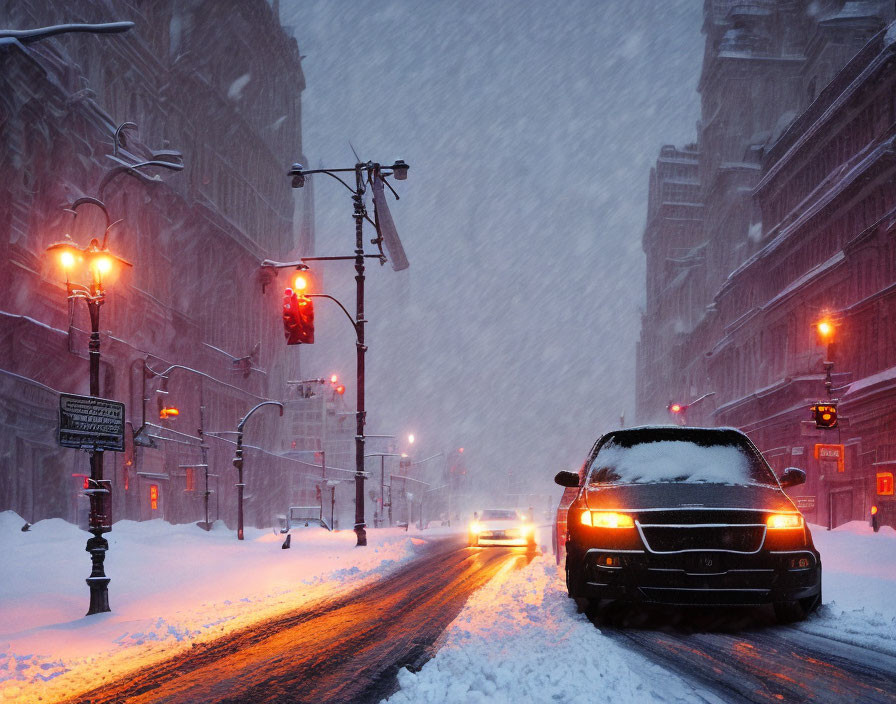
x=796, y=169
x=220, y=82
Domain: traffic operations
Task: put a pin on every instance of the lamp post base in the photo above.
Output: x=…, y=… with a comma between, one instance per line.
x=98, y=582
x=99, y=595
x=362, y=536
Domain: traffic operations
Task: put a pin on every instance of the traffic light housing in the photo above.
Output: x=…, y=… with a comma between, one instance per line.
x=824, y=415
x=298, y=318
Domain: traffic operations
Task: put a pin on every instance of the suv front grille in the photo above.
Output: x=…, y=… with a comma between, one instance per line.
x=744, y=538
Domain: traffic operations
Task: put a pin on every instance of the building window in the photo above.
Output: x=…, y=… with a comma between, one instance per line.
x=885, y=484
x=154, y=497
x=191, y=479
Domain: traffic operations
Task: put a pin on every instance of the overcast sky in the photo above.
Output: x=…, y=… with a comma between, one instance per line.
x=530, y=128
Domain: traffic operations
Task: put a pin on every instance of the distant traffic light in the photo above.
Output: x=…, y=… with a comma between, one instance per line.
x=824, y=415
x=677, y=411
x=298, y=318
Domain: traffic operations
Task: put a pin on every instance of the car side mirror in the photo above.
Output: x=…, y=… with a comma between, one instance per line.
x=569, y=479
x=792, y=477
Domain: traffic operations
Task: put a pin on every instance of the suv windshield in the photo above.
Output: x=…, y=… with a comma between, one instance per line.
x=493, y=514
x=656, y=455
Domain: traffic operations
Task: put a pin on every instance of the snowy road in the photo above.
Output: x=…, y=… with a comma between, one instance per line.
x=744, y=657
x=345, y=649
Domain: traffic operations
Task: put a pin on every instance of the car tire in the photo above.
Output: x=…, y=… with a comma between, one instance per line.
x=797, y=610
x=575, y=580
x=789, y=611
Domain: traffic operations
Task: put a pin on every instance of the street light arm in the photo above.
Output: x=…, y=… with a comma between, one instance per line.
x=692, y=403
x=329, y=172
x=27, y=36
x=344, y=310
x=242, y=423
x=85, y=200
x=133, y=170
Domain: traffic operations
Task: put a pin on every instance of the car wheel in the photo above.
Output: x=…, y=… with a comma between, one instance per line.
x=790, y=611
x=575, y=582
x=811, y=603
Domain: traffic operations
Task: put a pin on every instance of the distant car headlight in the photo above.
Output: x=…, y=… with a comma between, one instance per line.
x=475, y=527
x=607, y=519
x=784, y=521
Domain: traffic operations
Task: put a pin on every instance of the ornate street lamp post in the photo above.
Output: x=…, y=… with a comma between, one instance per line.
x=99, y=263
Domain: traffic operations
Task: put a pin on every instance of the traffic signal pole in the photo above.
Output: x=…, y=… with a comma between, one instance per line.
x=358, y=199
x=363, y=172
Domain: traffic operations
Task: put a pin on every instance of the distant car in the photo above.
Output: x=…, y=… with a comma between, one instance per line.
x=499, y=526
x=689, y=516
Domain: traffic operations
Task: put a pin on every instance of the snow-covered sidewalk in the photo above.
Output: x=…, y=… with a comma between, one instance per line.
x=520, y=639
x=172, y=587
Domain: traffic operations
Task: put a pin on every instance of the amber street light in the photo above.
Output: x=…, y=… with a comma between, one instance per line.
x=97, y=264
x=826, y=329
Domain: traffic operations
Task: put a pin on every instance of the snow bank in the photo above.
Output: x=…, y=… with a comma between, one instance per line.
x=172, y=586
x=858, y=584
x=520, y=639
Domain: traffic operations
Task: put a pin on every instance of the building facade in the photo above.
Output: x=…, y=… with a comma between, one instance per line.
x=192, y=325
x=796, y=179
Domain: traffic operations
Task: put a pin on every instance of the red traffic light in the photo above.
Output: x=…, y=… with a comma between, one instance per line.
x=340, y=389
x=675, y=408
x=298, y=318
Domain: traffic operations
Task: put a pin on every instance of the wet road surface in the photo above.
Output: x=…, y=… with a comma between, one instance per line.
x=744, y=656
x=349, y=649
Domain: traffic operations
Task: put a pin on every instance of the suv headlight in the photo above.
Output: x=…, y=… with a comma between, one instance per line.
x=607, y=519
x=784, y=521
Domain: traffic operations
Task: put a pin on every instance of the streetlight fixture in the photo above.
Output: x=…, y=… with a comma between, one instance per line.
x=238, y=463
x=679, y=410
x=373, y=175
x=98, y=263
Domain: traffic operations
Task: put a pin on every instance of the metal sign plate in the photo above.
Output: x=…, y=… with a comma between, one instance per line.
x=88, y=423
x=805, y=503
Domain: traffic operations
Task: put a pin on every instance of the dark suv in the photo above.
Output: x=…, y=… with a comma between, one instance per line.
x=691, y=516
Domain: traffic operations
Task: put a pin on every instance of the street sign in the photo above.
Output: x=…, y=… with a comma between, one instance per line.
x=830, y=453
x=89, y=423
x=805, y=503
